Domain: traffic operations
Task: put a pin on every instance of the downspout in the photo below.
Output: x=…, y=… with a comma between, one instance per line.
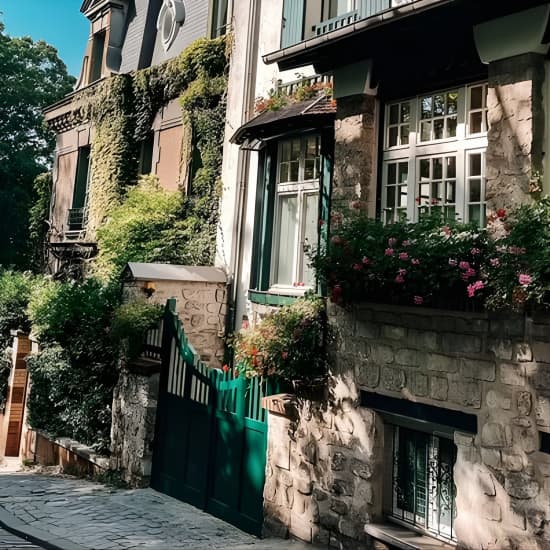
x=243, y=162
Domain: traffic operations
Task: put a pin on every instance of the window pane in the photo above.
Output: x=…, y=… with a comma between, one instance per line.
x=437, y=168
x=426, y=107
x=425, y=131
x=394, y=114
x=476, y=122
x=403, y=172
x=439, y=105
x=294, y=171
x=450, y=192
x=393, y=133
x=475, y=191
x=402, y=196
x=405, y=112
x=425, y=169
x=390, y=196
x=475, y=165
x=404, y=135
x=474, y=213
x=392, y=174
x=476, y=97
x=311, y=215
x=451, y=127
x=439, y=125
x=452, y=103
x=286, y=239
x=451, y=167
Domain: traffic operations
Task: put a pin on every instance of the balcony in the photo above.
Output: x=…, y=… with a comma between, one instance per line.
x=76, y=219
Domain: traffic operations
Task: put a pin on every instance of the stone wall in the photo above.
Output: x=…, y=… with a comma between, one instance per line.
x=133, y=428
x=325, y=460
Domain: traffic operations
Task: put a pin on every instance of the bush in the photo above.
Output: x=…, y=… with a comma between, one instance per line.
x=131, y=322
x=289, y=344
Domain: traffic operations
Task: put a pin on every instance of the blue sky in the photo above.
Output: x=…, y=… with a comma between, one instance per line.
x=58, y=22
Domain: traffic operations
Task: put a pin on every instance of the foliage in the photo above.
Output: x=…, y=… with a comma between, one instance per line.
x=277, y=98
x=15, y=288
x=428, y=263
x=519, y=271
x=32, y=77
x=131, y=322
x=38, y=216
x=69, y=401
x=290, y=343
x=140, y=229
x=442, y=264
x=5, y=370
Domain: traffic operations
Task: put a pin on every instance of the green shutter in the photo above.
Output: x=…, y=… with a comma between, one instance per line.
x=325, y=188
x=293, y=22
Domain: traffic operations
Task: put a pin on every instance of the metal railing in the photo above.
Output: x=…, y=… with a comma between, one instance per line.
x=76, y=219
x=336, y=22
x=290, y=88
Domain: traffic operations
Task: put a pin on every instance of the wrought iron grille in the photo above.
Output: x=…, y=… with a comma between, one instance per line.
x=423, y=485
x=76, y=219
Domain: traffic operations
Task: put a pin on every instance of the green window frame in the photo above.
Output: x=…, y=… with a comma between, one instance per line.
x=218, y=18
x=290, y=175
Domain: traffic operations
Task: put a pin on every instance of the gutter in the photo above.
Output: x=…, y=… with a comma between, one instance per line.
x=375, y=21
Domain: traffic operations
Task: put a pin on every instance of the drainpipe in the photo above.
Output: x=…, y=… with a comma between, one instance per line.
x=243, y=162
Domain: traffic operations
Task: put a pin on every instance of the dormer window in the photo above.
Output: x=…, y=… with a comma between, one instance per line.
x=98, y=49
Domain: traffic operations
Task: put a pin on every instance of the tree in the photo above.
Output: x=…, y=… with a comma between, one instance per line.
x=32, y=77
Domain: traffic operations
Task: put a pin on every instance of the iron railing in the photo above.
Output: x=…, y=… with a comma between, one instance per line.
x=290, y=88
x=76, y=220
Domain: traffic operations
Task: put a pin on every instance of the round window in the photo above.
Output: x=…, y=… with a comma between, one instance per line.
x=171, y=17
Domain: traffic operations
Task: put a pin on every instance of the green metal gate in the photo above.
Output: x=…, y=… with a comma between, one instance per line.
x=211, y=434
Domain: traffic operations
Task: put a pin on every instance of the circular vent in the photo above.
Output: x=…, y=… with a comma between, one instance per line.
x=171, y=17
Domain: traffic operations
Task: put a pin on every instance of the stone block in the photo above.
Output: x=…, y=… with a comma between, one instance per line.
x=418, y=322
x=351, y=529
x=441, y=363
x=478, y=370
x=339, y=507
x=393, y=378
x=381, y=354
x=444, y=324
x=494, y=435
x=487, y=484
x=342, y=487
x=540, y=332
x=541, y=351
x=512, y=374
x=542, y=411
x=523, y=352
x=541, y=378
x=492, y=510
x=495, y=400
x=460, y=343
x=472, y=325
x=512, y=462
x=491, y=458
x=463, y=440
x=524, y=403
x=525, y=438
x=367, y=374
x=521, y=486
x=360, y=469
x=503, y=349
x=338, y=461
x=419, y=384
x=300, y=528
x=329, y=520
x=392, y=332
x=407, y=357
x=424, y=340
x=370, y=331
x=439, y=388
x=465, y=393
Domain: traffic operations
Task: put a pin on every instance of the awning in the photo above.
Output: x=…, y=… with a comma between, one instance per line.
x=313, y=113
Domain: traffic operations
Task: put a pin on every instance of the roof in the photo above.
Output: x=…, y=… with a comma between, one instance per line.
x=169, y=272
x=315, y=112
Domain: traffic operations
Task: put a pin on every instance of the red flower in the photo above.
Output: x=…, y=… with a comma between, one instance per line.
x=357, y=267
x=501, y=213
x=226, y=368
x=336, y=294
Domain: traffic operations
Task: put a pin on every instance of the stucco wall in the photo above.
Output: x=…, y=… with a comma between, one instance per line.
x=494, y=367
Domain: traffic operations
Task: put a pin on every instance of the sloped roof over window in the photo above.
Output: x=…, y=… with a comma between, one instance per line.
x=313, y=113
x=167, y=272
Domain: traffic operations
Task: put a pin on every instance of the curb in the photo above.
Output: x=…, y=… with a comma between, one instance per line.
x=46, y=540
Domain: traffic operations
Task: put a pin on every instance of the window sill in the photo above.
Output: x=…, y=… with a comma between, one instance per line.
x=274, y=298
x=404, y=539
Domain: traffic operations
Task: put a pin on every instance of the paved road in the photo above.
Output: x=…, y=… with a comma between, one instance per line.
x=11, y=542
x=74, y=514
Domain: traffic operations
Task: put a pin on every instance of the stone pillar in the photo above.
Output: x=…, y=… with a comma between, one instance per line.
x=134, y=414
x=516, y=130
x=355, y=152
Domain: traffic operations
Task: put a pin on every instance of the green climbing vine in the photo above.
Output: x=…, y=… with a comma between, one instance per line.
x=121, y=111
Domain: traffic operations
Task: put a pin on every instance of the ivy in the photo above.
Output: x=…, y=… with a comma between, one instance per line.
x=38, y=216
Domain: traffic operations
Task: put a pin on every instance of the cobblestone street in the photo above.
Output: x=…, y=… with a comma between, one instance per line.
x=69, y=513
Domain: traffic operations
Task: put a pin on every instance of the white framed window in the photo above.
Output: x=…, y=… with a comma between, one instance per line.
x=434, y=155
x=296, y=212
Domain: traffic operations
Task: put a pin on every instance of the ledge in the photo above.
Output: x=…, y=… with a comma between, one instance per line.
x=402, y=538
x=282, y=404
x=270, y=299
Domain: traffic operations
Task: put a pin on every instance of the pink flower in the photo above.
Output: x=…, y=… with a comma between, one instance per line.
x=337, y=240
x=495, y=262
x=366, y=260
x=402, y=272
x=388, y=252
x=517, y=251
x=475, y=251
x=284, y=355
x=415, y=261
x=357, y=267
x=403, y=256
x=400, y=279
x=355, y=205
x=392, y=241
x=464, y=265
x=406, y=243
x=446, y=229
x=474, y=287
x=418, y=300
x=453, y=263
x=525, y=279
x=469, y=273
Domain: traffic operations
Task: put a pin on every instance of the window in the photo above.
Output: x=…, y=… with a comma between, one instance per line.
x=98, y=48
x=423, y=489
x=434, y=156
x=76, y=220
x=218, y=25
x=146, y=154
x=340, y=7
x=296, y=211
